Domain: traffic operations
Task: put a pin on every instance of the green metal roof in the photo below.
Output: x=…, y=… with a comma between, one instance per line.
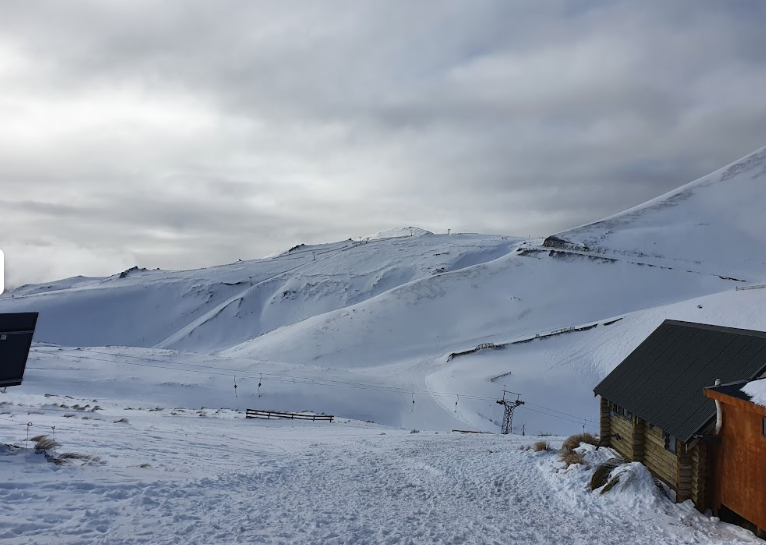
x=662, y=380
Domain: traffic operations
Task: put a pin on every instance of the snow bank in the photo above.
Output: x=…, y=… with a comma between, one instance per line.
x=634, y=498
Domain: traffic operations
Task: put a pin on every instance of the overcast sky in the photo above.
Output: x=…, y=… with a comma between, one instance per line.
x=180, y=134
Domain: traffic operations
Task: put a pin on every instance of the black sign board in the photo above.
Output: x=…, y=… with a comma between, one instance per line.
x=16, y=331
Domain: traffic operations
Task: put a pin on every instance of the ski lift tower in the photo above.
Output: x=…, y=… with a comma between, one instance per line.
x=509, y=405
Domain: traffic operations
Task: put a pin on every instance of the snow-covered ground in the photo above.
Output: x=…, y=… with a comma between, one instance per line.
x=201, y=476
x=401, y=330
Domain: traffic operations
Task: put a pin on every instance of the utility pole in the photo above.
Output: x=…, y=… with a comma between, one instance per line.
x=509, y=407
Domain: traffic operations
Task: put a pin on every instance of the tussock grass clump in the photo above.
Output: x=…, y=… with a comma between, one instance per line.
x=625, y=478
x=44, y=443
x=568, y=454
x=37, y=438
x=605, y=476
x=414, y=431
x=145, y=466
x=570, y=457
x=69, y=415
x=68, y=457
x=122, y=420
x=601, y=474
x=541, y=445
x=74, y=456
x=573, y=441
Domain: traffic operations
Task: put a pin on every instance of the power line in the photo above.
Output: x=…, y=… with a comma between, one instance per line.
x=228, y=372
x=579, y=421
x=563, y=413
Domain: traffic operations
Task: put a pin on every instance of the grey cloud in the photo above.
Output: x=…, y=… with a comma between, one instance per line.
x=185, y=133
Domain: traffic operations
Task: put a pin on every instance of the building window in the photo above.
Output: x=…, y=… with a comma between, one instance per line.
x=763, y=426
x=670, y=442
x=621, y=411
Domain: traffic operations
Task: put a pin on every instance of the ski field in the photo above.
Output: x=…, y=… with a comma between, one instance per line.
x=402, y=331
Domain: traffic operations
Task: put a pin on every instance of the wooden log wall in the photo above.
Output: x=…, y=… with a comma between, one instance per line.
x=700, y=476
x=639, y=438
x=686, y=472
x=661, y=462
x=624, y=428
x=684, y=491
x=605, y=429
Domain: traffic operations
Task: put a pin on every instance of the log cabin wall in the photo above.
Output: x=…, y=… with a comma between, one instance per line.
x=605, y=430
x=639, y=438
x=660, y=461
x=684, y=478
x=624, y=428
x=686, y=471
x=700, y=476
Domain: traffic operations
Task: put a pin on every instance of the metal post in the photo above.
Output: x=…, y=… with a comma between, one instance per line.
x=509, y=408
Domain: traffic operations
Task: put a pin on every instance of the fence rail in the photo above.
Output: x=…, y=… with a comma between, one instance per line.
x=756, y=287
x=257, y=413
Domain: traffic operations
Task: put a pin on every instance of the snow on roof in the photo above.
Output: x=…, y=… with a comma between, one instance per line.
x=756, y=389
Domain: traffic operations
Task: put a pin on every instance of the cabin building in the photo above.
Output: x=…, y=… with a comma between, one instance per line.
x=653, y=406
x=738, y=467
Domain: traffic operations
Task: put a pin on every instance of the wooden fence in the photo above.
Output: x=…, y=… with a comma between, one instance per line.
x=756, y=287
x=257, y=413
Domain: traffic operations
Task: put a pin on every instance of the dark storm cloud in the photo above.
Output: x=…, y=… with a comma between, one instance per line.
x=181, y=134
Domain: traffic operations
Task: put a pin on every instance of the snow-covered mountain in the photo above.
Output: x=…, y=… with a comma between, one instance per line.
x=714, y=224
x=380, y=316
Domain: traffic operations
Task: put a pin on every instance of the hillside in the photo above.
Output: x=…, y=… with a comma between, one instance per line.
x=218, y=307
x=377, y=318
x=405, y=339
x=714, y=224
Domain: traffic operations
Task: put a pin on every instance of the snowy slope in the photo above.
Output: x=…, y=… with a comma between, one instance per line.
x=399, y=232
x=202, y=476
x=715, y=224
x=514, y=295
x=411, y=332
x=557, y=374
x=381, y=316
x=212, y=309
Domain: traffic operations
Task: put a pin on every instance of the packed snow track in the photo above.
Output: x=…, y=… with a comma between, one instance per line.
x=214, y=477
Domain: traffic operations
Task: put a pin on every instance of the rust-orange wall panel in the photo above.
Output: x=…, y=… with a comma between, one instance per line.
x=739, y=470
